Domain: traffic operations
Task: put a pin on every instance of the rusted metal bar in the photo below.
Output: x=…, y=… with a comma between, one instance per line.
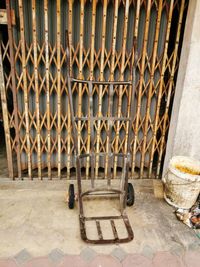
x=70, y=15
x=91, y=78
x=80, y=71
x=114, y=229
x=110, y=125
x=14, y=89
x=58, y=44
x=112, y=68
x=74, y=133
x=170, y=86
x=102, y=190
x=103, y=118
x=149, y=97
x=91, y=133
x=99, y=230
x=103, y=218
x=131, y=103
x=101, y=78
x=46, y=28
x=102, y=82
x=135, y=34
x=5, y=118
x=25, y=87
x=37, y=94
x=122, y=67
x=155, y=128
x=68, y=109
x=103, y=154
x=142, y=69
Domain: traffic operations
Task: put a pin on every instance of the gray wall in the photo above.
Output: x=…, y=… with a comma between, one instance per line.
x=184, y=133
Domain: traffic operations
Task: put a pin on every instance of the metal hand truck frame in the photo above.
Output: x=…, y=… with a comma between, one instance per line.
x=126, y=191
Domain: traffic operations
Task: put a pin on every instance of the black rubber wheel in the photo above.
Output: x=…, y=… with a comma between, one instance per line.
x=130, y=195
x=71, y=196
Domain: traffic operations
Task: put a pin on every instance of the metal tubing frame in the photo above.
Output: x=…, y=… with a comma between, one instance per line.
x=122, y=193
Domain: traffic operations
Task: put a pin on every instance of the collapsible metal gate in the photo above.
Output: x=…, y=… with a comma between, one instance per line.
x=38, y=127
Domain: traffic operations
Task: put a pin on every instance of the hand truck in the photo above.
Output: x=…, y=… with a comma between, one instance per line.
x=126, y=191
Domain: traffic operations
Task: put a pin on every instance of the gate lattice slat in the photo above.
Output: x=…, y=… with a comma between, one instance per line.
x=25, y=89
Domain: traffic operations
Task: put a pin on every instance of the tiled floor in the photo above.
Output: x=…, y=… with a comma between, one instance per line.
x=37, y=229
x=159, y=259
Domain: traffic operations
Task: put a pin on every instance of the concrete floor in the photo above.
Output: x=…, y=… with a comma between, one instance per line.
x=34, y=216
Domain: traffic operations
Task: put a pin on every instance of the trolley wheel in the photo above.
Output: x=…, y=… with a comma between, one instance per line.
x=130, y=195
x=71, y=194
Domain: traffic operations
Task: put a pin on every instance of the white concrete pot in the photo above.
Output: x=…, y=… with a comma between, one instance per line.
x=182, y=188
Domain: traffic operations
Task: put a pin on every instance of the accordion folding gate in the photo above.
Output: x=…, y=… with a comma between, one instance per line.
x=34, y=93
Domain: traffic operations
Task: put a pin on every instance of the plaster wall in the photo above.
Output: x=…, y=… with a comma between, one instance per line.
x=184, y=132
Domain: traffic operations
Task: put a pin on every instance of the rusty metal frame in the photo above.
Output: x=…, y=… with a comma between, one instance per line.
x=108, y=191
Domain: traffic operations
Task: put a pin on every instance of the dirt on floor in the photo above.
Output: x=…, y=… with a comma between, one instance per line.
x=34, y=215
